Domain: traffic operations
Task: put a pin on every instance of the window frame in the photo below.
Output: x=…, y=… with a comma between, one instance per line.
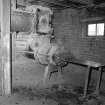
x=94, y=22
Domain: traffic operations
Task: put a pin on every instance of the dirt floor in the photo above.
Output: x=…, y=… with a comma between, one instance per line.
x=29, y=90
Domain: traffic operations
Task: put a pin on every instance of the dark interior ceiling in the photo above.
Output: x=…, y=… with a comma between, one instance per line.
x=62, y=4
x=98, y=1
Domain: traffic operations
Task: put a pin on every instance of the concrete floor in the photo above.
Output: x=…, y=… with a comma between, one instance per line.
x=29, y=90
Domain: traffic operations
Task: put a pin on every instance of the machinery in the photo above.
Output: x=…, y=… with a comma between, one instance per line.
x=46, y=50
x=50, y=53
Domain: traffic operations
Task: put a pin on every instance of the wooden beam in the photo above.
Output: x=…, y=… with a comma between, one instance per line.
x=50, y=5
x=93, y=19
x=84, y=2
x=102, y=5
x=98, y=1
x=71, y=2
x=6, y=48
x=55, y=3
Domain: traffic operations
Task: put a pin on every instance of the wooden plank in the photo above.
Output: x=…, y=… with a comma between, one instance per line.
x=86, y=63
x=6, y=48
x=20, y=43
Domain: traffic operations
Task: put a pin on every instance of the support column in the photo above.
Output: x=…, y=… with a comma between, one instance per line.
x=97, y=91
x=6, y=47
x=88, y=77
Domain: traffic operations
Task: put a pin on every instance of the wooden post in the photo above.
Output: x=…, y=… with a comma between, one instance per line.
x=6, y=48
x=88, y=76
x=97, y=91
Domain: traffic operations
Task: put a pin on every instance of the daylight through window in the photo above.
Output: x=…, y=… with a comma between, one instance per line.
x=96, y=29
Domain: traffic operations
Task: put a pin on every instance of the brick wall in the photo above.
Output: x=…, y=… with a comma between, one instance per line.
x=67, y=26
